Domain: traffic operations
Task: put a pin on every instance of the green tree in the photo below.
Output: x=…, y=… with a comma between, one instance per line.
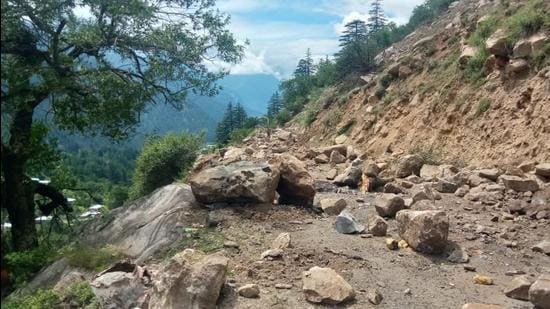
x=274, y=105
x=239, y=117
x=225, y=126
x=72, y=64
x=306, y=66
x=163, y=160
x=376, y=20
x=355, y=32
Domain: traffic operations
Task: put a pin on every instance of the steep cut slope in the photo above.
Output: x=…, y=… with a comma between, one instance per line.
x=439, y=95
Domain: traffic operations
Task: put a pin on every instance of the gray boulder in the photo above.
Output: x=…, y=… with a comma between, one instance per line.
x=350, y=177
x=388, y=204
x=347, y=224
x=409, y=165
x=238, y=182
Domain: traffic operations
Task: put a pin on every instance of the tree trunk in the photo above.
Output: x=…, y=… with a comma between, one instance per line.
x=19, y=189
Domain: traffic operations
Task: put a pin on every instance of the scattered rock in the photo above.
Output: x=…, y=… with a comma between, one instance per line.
x=332, y=174
x=402, y=244
x=347, y=224
x=542, y=247
x=445, y=186
x=392, y=244
x=391, y=187
x=409, y=165
x=324, y=285
x=333, y=206
x=518, y=65
x=272, y=253
x=350, y=177
x=340, y=139
x=462, y=191
x=249, y=291
x=283, y=241
x=230, y=244
x=539, y=292
x=481, y=306
x=425, y=230
x=459, y=255
x=518, y=288
x=490, y=173
x=374, y=297
x=283, y=286
x=337, y=158
x=321, y=159
x=378, y=226
x=519, y=184
x=238, y=182
x=296, y=185
x=189, y=279
x=387, y=205
x=483, y=280
x=543, y=170
x=497, y=43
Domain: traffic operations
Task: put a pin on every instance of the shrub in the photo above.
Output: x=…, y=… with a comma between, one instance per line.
x=78, y=295
x=24, y=264
x=91, y=258
x=39, y=299
x=475, y=68
x=483, y=106
x=162, y=160
x=237, y=136
x=528, y=19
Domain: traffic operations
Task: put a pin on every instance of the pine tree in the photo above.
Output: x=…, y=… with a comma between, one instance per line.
x=377, y=20
x=306, y=66
x=225, y=126
x=274, y=105
x=355, y=32
x=239, y=117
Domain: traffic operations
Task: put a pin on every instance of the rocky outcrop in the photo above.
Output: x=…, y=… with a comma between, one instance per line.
x=324, y=285
x=425, y=231
x=238, y=182
x=189, y=280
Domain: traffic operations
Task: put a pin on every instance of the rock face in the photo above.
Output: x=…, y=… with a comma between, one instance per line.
x=425, y=231
x=190, y=280
x=519, y=184
x=539, y=292
x=387, y=205
x=296, y=186
x=333, y=206
x=518, y=288
x=324, y=285
x=147, y=225
x=409, y=165
x=347, y=224
x=239, y=182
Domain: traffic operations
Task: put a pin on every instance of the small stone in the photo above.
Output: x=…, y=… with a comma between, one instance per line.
x=321, y=159
x=281, y=242
x=407, y=292
x=514, y=272
x=392, y=244
x=481, y=306
x=459, y=255
x=272, y=253
x=332, y=174
x=378, y=226
x=324, y=285
x=542, y=247
x=483, y=280
x=374, y=297
x=231, y=244
x=469, y=268
x=336, y=157
x=518, y=288
x=543, y=169
x=283, y=286
x=402, y=244
x=387, y=205
x=249, y=291
x=333, y=206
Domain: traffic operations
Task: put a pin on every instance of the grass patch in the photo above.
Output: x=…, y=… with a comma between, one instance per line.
x=91, y=258
x=483, y=106
x=207, y=240
x=332, y=118
x=78, y=295
x=236, y=137
x=428, y=154
x=528, y=19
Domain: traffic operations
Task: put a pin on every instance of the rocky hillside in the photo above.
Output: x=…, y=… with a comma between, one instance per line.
x=471, y=88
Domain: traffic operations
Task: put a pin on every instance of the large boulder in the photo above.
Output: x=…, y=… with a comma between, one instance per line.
x=425, y=230
x=342, y=149
x=333, y=206
x=388, y=204
x=148, y=225
x=324, y=285
x=336, y=157
x=539, y=292
x=467, y=53
x=519, y=184
x=518, y=288
x=409, y=165
x=296, y=186
x=189, y=281
x=238, y=182
x=121, y=286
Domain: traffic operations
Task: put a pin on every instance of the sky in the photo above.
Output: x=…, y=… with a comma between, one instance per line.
x=280, y=31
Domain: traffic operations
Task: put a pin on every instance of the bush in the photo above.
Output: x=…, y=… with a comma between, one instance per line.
x=78, y=295
x=163, y=160
x=24, y=264
x=39, y=299
x=237, y=136
x=528, y=19
x=483, y=106
x=90, y=258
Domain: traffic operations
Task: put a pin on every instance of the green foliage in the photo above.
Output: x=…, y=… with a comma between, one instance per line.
x=528, y=19
x=332, y=118
x=39, y=299
x=542, y=58
x=483, y=106
x=24, y=264
x=484, y=31
x=163, y=160
x=79, y=295
x=475, y=67
x=235, y=118
x=237, y=136
x=90, y=258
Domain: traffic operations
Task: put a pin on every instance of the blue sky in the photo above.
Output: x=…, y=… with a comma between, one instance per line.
x=280, y=31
